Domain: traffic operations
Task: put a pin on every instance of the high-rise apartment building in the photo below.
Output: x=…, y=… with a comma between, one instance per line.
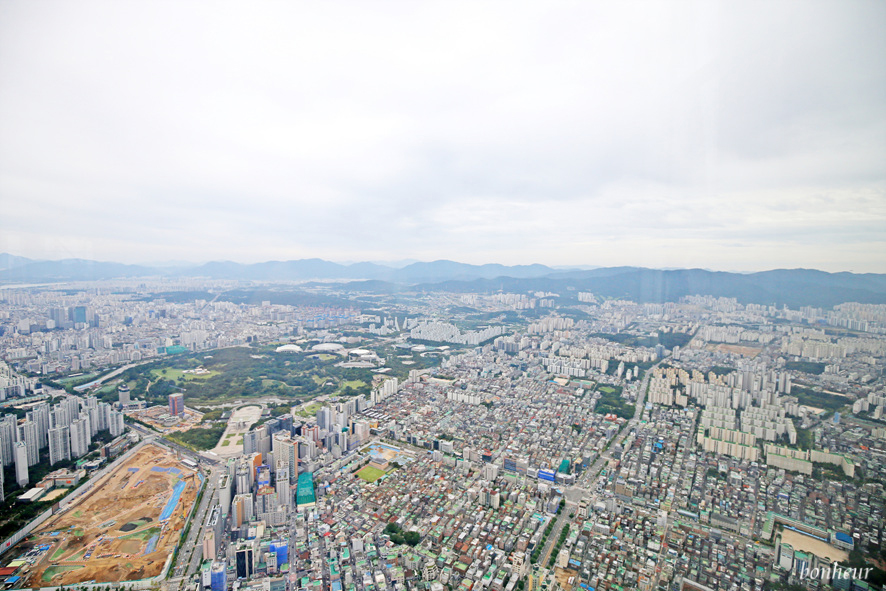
x=80, y=438
x=28, y=432
x=59, y=445
x=20, y=450
x=115, y=423
x=7, y=439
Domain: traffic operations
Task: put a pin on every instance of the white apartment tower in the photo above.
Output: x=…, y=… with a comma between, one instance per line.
x=59, y=445
x=80, y=438
x=30, y=434
x=21, y=463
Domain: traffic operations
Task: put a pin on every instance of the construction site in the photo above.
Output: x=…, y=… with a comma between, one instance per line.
x=124, y=529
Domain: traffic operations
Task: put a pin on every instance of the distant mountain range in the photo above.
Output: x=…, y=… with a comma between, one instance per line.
x=22, y=270
x=792, y=287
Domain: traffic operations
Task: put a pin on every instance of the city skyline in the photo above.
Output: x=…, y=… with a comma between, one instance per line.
x=710, y=135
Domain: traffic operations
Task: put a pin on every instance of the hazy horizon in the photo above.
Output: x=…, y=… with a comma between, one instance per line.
x=182, y=264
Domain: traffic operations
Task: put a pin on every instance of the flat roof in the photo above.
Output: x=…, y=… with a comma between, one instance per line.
x=304, y=494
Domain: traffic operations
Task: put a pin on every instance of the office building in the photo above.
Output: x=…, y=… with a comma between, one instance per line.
x=286, y=449
x=245, y=561
x=209, y=547
x=324, y=419
x=241, y=510
x=218, y=576
x=177, y=404
x=281, y=482
x=123, y=394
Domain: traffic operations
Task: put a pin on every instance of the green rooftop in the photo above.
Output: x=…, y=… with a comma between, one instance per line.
x=304, y=494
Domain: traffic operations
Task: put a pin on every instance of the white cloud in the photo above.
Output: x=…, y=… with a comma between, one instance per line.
x=727, y=135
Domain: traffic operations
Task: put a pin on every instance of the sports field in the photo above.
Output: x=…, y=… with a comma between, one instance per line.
x=124, y=529
x=370, y=474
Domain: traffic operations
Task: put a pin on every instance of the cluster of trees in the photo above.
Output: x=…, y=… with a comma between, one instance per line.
x=211, y=414
x=668, y=340
x=858, y=560
x=805, y=438
x=536, y=552
x=410, y=538
x=243, y=373
x=612, y=402
x=811, y=367
x=199, y=438
x=563, y=533
x=401, y=371
x=818, y=399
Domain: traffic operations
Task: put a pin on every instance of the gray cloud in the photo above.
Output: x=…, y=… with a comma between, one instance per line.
x=730, y=135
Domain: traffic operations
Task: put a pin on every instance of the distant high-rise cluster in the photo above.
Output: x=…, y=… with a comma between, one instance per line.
x=65, y=428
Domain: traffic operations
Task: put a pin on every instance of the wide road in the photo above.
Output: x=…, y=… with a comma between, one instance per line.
x=562, y=520
x=190, y=554
x=591, y=473
x=81, y=388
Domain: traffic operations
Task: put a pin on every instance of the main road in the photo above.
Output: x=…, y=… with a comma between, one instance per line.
x=575, y=493
x=190, y=553
x=591, y=473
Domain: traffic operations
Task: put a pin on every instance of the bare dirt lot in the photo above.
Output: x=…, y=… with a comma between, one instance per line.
x=123, y=529
x=742, y=350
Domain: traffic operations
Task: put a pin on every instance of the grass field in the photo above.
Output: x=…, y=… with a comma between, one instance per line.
x=353, y=383
x=323, y=356
x=176, y=374
x=310, y=410
x=54, y=570
x=68, y=380
x=606, y=389
x=370, y=474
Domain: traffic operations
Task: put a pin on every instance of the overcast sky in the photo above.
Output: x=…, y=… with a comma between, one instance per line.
x=732, y=136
